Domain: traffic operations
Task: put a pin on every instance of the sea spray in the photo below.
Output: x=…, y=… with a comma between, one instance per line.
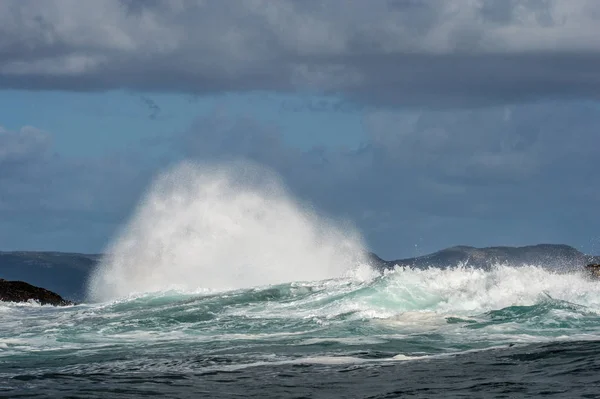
x=222, y=227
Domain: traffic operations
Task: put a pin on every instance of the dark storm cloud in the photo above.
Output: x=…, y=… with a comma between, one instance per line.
x=383, y=53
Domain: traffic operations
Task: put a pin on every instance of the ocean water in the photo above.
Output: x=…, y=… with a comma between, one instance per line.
x=507, y=332
x=223, y=285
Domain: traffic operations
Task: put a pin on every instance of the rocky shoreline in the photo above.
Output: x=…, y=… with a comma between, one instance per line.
x=20, y=291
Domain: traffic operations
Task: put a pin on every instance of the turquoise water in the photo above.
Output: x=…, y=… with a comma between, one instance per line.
x=396, y=318
x=403, y=314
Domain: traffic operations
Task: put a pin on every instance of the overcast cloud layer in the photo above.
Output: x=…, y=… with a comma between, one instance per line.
x=379, y=52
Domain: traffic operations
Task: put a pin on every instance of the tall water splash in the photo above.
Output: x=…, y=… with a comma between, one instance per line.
x=222, y=227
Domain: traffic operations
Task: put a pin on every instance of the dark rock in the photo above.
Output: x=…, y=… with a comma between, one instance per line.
x=65, y=273
x=20, y=291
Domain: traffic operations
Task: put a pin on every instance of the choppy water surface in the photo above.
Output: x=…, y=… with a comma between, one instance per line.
x=403, y=329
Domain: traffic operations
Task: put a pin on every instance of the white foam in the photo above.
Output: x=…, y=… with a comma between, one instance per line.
x=222, y=227
x=468, y=291
x=328, y=360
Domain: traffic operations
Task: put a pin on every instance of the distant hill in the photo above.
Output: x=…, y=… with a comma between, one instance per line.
x=553, y=256
x=67, y=273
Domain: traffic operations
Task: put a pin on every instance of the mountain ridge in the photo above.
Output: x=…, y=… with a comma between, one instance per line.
x=555, y=256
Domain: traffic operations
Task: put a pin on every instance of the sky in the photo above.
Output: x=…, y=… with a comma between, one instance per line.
x=427, y=124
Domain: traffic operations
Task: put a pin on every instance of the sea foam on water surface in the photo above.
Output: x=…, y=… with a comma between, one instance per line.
x=465, y=290
x=222, y=227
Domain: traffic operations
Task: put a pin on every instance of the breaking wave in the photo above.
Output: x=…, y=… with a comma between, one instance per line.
x=222, y=227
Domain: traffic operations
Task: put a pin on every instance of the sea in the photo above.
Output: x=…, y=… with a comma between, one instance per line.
x=223, y=285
